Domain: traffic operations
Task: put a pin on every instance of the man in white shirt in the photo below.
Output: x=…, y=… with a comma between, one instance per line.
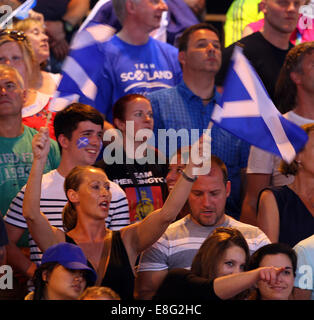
x=79, y=131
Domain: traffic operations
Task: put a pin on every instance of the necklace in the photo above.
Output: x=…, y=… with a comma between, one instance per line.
x=207, y=99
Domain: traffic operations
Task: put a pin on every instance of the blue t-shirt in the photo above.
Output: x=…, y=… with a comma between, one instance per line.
x=135, y=69
x=102, y=73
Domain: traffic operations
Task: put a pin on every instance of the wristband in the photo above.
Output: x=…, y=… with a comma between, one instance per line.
x=187, y=178
x=67, y=26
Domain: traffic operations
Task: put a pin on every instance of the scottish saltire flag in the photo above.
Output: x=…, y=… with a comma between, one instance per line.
x=83, y=63
x=80, y=68
x=248, y=112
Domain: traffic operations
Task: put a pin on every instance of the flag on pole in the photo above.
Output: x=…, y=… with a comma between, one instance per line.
x=248, y=112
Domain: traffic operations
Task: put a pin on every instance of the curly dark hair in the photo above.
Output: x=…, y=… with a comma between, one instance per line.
x=286, y=90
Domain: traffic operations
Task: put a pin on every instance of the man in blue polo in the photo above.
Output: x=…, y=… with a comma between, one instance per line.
x=189, y=105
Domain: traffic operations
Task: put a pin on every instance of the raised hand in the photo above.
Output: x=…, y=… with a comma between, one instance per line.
x=41, y=144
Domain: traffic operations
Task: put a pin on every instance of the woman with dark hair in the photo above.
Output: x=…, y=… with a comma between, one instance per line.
x=278, y=255
x=62, y=275
x=112, y=254
x=230, y=250
x=218, y=277
x=286, y=214
x=286, y=87
x=138, y=171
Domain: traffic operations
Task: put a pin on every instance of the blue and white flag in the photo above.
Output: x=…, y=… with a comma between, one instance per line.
x=248, y=112
x=84, y=60
x=81, y=67
x=23, y=9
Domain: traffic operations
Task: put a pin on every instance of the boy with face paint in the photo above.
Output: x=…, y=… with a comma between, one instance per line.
x=79, y=131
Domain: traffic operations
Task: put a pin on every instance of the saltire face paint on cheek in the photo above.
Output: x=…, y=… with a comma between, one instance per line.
x=83, y=142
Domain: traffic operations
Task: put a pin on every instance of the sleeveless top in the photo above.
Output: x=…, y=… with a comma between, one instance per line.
x=296, y=221
x=119, y=275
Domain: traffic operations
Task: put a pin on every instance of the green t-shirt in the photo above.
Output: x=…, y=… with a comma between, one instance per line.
x=16, y=158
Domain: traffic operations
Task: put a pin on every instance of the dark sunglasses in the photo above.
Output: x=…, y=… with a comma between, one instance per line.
x=14, y=34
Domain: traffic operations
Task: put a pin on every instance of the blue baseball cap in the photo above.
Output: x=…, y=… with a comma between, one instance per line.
x=69, y=256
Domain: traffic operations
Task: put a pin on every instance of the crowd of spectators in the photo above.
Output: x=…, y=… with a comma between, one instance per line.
x=104, y=106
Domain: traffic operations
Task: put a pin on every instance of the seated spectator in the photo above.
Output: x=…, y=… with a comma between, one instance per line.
x=304, y=281
x=221, y=288
x=99, y=293
x=283, y=257
x=180, y=15
x=15, y=50
x=129, y=62
x=177, y=247
x=140, y=176
x=35, y=32
x=62, y=19
x=224, y=252
x=73, y=125
x=16, y=148
x=186, y=109
x=112, y=254
x=297, y=106
x=63, y=274
x=286, y=213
